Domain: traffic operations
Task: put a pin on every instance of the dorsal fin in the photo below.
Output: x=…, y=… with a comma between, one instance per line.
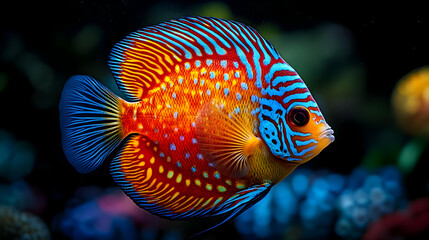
x=225, y=139
x=147, y=57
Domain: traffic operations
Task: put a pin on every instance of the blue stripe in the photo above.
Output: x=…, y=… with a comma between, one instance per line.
x=283, y=79
x=277, y=67
x=283, y=90
x=179, y=37
x=296, y=96
x=256, y=57
x=210, y=31
x=199, y=41
x=304, y=143
x=219, y=49
x=267, y=57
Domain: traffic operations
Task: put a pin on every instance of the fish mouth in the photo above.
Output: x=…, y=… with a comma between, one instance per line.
x=328, y=134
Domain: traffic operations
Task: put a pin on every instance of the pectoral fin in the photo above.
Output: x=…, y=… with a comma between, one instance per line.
x=225, y=138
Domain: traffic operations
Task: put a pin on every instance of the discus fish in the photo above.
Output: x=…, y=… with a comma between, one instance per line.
x=214, y=118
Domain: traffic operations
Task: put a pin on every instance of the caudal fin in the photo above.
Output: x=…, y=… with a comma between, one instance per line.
x=89, y=120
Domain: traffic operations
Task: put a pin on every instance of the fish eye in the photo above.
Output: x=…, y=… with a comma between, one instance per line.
x=299, y=116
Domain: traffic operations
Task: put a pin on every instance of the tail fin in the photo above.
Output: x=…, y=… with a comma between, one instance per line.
x=89, y=120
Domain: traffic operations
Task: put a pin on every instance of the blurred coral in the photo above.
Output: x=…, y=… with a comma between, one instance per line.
x=413, y=222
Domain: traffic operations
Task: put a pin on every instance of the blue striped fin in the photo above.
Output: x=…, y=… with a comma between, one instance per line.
x=144, y=58
x=238, y=203
x=89, y=121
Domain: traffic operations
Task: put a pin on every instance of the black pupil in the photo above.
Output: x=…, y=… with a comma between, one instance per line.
x=300, y=117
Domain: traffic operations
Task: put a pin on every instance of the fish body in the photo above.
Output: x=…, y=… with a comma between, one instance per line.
x=215, y=118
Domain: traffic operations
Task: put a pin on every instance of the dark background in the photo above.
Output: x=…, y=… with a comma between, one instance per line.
x=42, y=44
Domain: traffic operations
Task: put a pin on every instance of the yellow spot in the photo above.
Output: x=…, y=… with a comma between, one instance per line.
x=179, y=178
x=161, y=169
x=147, y=144
x=170, y=174
x=158, y=106
x=155, y=149
x=187, y=182
x=135, y=143
x=186, y=90
x=140, y=126
x=234, y=82
x=193, y=93
x=240, y=185
x=177, y=68
x=174, y=196
x=217, y=201
x=167, y=79
x=207, y=202
x=152, y=160
x=228, y=182
x=197, y=182
x=141, y=164
x=209, y=187
x=148, y=174
x=140, y=156
x=221, y=188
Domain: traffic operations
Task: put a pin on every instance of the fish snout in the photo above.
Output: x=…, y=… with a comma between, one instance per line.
x=328, y=134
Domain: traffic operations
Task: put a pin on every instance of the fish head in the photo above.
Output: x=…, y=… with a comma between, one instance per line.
x=292, y=125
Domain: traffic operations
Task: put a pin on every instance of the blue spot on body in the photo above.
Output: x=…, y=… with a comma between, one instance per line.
x=254, y=98
x=226, y=91
x=161, y=154
x=195, y=81
x=174, y=95
x=180, y=80
x=166, y=135
x=237, y=74
x=236, y=64
x=209, y=62
x=254, y=111
x=208, y=92
x=202, y=82
x=217, y=86
x=193, y=169
x=217, y=175
x=237, y=109
x=182, y=138
x=198, y=63
x=187, y=65
x=193, y=124
x=172, y=147
x=178, y=164
x=187, y=155
x=238, y=96
x=244, y=86
x=194, y=141
x=199, y=156
x=212, y=75
x=225, y=76
x=175, y=114
x=223, y=63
